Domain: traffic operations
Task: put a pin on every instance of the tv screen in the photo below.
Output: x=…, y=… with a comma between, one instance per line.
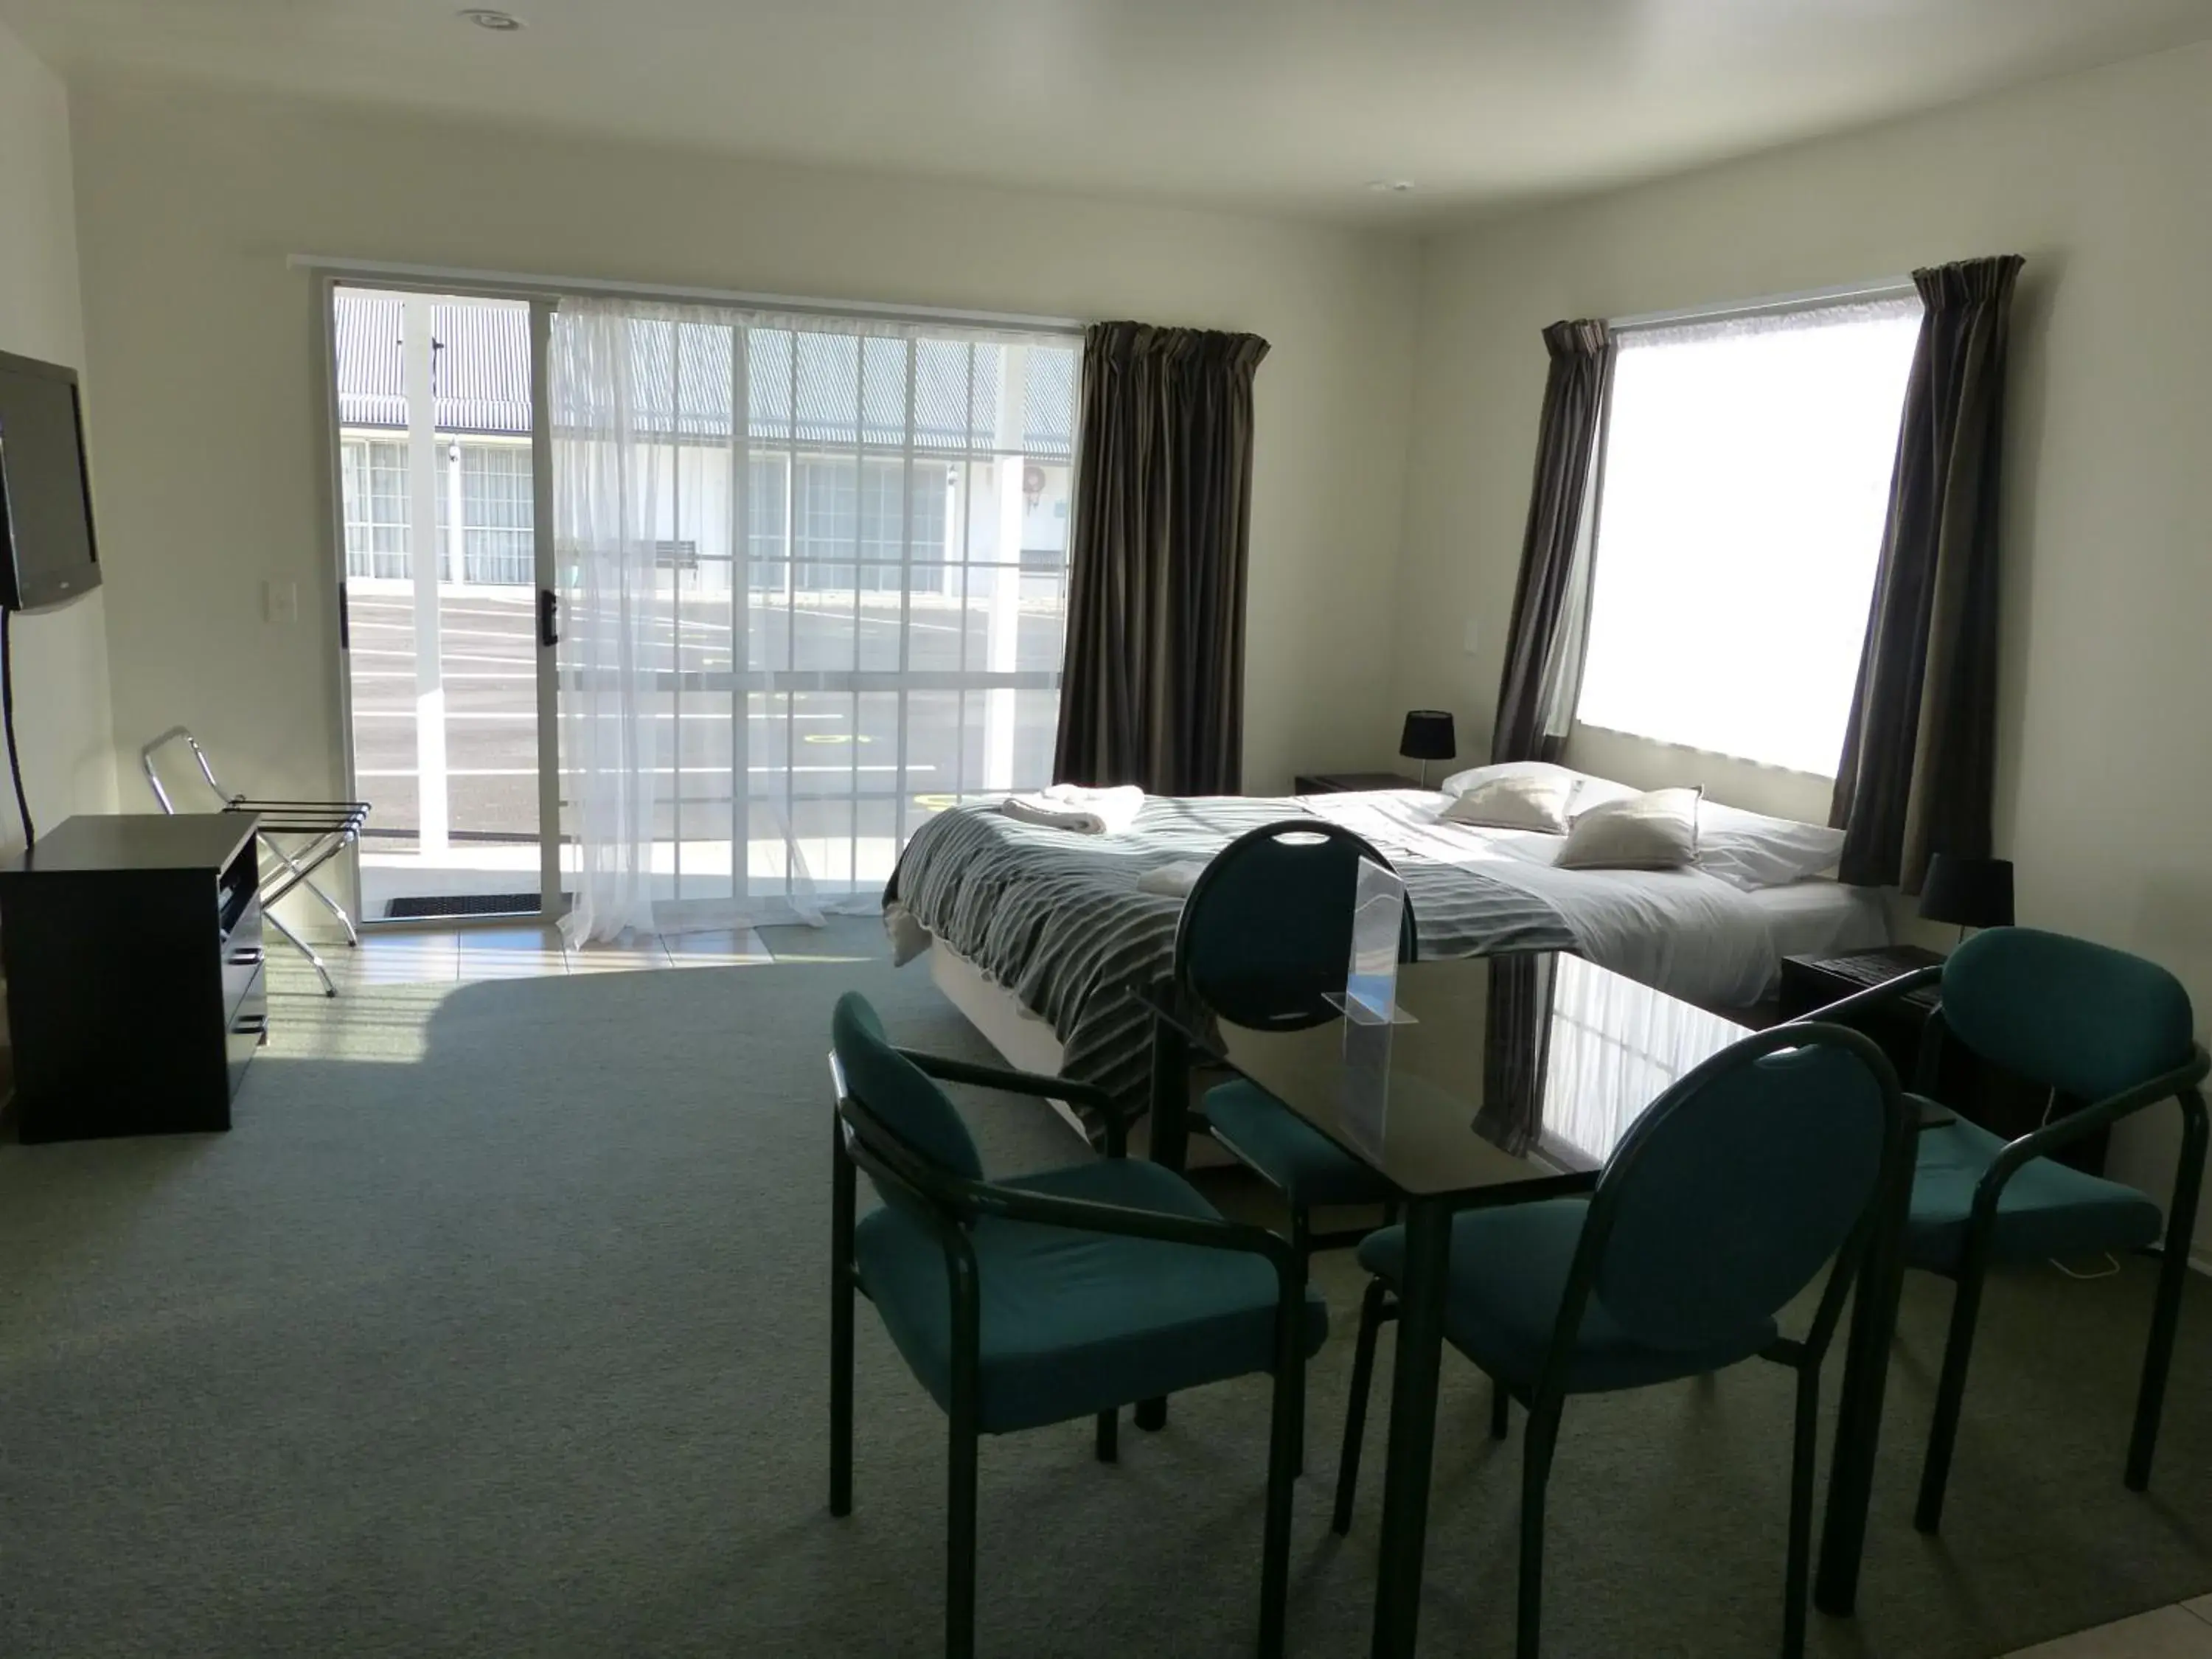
x=47, y=553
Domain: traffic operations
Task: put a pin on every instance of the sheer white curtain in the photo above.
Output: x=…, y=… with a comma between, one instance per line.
x=626, y=453
x=813, y=581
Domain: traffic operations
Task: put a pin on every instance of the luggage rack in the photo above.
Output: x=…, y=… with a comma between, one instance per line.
x=317, y=831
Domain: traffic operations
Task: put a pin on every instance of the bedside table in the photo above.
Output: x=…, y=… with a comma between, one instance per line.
x=1999, y=1101
x=1340, y=783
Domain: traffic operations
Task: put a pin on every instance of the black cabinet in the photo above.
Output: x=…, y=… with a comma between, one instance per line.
x=135, y=995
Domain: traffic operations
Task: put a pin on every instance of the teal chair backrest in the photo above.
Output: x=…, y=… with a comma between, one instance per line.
x=2084, y=1019
x=1739, y=1182
x=898, y=1094
x=1267, y=926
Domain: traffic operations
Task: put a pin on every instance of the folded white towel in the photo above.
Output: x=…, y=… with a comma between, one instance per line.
x=1071, y=806
x=1172, y=881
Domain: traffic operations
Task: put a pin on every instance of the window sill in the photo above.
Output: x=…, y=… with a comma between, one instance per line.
x=1614, y=734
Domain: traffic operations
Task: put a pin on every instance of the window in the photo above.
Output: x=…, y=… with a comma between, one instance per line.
x=374, y=471
x=496, y=514
x=497, y=509
x=1745, y=479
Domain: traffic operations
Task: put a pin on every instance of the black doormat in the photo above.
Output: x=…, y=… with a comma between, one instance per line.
x=461, y=904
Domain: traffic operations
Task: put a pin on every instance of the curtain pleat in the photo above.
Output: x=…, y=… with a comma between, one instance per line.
x=1551, y=598
x=1919, y=761
x=1152, y=691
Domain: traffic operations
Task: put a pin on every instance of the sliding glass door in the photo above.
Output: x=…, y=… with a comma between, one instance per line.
x=446, y=662
x=708, y=607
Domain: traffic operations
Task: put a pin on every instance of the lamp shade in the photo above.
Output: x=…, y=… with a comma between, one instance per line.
x=1972, y=892
x=1428, y=736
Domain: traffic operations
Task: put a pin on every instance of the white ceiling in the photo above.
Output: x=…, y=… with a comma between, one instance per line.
x=1276, y=105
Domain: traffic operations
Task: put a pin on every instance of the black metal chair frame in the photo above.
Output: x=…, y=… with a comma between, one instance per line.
x=318, y=831
x=951, y=1205
x=1977, y=1257
x=1546, y=1400
x=1303, y=1241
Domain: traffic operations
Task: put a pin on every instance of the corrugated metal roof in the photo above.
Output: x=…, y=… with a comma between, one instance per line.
x=842, y=388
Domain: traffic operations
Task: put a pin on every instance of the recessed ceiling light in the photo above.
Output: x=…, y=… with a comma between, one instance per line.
x=1389, y=186
x=484, y=17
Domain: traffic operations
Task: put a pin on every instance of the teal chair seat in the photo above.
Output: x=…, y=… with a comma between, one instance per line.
x=1304, y=1164
x=1509, y=1275
x=2046, y=1210
x=1074, y=1323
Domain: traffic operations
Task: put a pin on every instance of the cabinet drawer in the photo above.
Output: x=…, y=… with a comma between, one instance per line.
x=241, y=974
x=245, y=1027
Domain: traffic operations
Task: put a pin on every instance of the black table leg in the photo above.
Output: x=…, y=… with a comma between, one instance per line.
x=1171, y=1133
x=1865, y=1376
x=1412, y=1425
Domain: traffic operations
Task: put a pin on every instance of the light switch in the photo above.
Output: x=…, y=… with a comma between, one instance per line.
x=280, y=601
x=1471, y=641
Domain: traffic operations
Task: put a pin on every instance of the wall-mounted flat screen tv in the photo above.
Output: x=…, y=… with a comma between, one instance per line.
x=47, y=551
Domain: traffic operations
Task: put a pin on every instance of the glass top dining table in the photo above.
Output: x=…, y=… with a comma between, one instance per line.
x=1498, y=1071
x=1502, y=1080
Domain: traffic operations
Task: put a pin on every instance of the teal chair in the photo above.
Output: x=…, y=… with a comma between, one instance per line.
x=1266, y=930
x=2086, y=1022
x=1721, y=1203
x=1045, y=1298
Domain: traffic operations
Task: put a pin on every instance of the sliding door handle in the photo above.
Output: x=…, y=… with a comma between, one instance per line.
x=549, y=604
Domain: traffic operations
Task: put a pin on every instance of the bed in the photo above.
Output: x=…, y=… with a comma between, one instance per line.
x=1036, y=934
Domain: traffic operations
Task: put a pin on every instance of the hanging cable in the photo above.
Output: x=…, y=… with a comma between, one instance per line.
x=8, y=719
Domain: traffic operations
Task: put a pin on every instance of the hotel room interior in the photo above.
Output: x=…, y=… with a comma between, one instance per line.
x=1398, y=732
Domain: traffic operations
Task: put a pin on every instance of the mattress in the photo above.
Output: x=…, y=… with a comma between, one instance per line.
x=1060, y=921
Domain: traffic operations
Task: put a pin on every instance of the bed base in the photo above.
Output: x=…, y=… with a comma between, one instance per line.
x=1026, y=1041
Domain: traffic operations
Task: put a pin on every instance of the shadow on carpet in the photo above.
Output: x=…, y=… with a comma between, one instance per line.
x=497, y=1326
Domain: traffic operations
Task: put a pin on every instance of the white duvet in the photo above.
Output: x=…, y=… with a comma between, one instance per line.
x=1682, y=931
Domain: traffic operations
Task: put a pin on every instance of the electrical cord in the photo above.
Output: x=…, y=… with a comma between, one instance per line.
x=8, y=719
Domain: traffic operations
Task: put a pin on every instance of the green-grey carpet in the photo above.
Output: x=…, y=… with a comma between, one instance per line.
x=497, y=1327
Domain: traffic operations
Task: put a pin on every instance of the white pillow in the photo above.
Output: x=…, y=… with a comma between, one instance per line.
x=1658, y=831
x=1525, y=801
x=1587, y=791
x=1751, y=851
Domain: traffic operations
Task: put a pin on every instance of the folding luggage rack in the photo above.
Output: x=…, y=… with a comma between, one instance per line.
x=317, y=831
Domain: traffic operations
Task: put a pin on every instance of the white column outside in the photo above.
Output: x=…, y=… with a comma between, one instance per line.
x=423, y=565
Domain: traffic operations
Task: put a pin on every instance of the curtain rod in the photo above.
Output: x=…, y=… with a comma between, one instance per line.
x=523, y=283
x=1886, y=287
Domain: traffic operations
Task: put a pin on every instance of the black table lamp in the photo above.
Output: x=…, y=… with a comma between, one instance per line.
x=1427, y=737
x=1972, y=892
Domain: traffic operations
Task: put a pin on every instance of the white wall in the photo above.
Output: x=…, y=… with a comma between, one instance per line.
x=204, y=346
x=2104, y=180
x=61, y=664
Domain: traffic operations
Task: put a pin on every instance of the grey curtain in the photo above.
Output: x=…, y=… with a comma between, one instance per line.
x=1152, y=692
x=1919, y=759
x=1543, y=646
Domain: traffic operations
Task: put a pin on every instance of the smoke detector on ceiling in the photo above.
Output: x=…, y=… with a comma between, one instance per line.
x=485, y=17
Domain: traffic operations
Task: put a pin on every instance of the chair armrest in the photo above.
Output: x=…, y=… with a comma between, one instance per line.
x=1013, y=1083
x=1118, y=1118
x=2078, y=1125
x=1873, y=996
x=1087, y=1215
